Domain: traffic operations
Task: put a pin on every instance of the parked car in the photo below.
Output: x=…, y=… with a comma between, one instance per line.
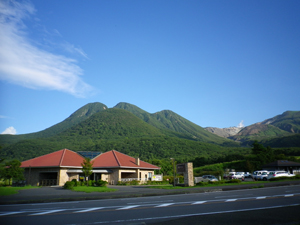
x=209, y=178
x=280, y=174
x=247, y=175
x=264, y=175
x=257, y=174
x=236, y=175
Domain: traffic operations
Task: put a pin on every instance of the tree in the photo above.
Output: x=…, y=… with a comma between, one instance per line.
x=12, y=170
x=87, y=167
x=262, y=154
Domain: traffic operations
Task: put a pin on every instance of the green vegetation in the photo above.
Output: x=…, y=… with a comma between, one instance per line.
x=153, y=137
x=8, y=190
x=11, y=171
x=87, y=167
x=90, y=189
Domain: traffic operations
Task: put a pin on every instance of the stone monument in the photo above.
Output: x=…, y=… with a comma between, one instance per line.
x=187, y=170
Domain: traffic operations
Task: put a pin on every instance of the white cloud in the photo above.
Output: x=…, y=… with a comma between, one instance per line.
x=241, y=124
x=24, y=64
x=9, y=130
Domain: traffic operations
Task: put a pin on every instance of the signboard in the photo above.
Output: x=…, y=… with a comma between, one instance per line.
x=157, y=177
x=181, y=168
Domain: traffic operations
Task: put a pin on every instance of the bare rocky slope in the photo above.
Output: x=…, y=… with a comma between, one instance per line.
x=224, y=132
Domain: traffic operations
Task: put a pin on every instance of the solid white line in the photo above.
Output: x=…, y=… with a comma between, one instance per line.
x=186, y=215
x=230, y=200
x=164, y=205
x=47, y=212
x=199, y=202
x=88, y=210
x=9, y=213
x=128, y=207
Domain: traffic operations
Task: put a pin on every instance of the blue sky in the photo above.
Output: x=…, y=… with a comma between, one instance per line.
x=215, y=63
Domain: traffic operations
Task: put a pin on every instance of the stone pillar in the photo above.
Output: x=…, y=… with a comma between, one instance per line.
x=189, y=174
x=187, y=170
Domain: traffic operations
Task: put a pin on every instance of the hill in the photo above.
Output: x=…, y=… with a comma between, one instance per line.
x=78, y=116
x=172, y=122
x=116, y=129
x=288, y=121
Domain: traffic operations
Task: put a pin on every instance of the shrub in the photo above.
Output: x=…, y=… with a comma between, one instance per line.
x=149, y=182
x=101, y=183
x=134, y=182
x=69, y=185
x=75, y=182
x=233, y=181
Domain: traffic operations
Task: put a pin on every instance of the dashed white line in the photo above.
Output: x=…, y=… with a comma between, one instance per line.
x=199, y=202
x=90, y=209
x=164, y=205
x=261, y=197
x=9, y=213
x=47, y=212
x=289, y=195
x=128, y=207
x=231, y=200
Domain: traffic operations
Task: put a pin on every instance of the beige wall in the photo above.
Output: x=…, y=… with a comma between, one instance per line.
x=32, y=175
x=33, y=178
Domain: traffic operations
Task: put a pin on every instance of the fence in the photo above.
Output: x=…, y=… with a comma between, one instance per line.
x=48, y=182
x=131, y=179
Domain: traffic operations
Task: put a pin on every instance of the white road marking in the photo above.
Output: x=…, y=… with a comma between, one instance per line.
x=199, y=202
x=47, y=212
x=261, y=197
x=9, y=213
x=128, y=207
x=185, y=215
x=88, y=210
x=290, y=195
x=230, y=200
x=164, y=205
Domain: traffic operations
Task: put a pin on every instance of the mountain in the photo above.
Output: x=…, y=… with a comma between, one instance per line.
x=172, y=122
x=224, y=132
x=288, y=121
x=258, y=132
x=119, y=129
x=282, y=128
x=79, y=115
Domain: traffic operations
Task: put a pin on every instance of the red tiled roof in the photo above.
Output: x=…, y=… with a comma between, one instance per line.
x=61, y=158
x=115, y=159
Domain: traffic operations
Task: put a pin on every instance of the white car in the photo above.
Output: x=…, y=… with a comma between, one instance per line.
x=257, y=174
x=280, y=174
x=264, y=175
x=237, y=175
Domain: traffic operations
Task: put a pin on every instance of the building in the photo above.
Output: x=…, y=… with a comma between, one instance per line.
x=289, y=166
x=65, y=165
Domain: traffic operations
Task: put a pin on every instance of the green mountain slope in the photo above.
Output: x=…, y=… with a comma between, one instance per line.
x=288, y=121
x=111, y=124
x=258, y=132
x=79, y=115
x=115, y=129
x=168, y=120
x=283, y=142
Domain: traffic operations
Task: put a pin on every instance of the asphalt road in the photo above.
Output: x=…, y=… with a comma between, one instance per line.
x=276, y=205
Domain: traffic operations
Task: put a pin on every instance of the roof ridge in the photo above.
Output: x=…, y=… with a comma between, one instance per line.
x=116, y=158
x=64, y=150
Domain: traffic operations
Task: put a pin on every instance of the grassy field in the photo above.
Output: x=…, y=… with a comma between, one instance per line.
x=89, y=189
x=4, y=191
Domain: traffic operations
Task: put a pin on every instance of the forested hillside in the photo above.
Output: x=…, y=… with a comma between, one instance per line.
x=133, y=131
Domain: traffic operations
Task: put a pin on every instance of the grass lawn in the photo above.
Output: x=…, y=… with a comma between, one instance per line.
x=205, y=184
x=89, y=189
x=4, y=191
